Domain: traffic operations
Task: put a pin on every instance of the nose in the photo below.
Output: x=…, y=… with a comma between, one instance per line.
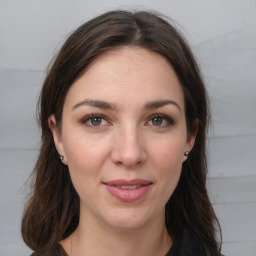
x=128, y=148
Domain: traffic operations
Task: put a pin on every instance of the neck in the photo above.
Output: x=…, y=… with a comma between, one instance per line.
x=97, y=238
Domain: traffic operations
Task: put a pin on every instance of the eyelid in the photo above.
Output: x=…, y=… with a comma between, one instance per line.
x=170, y=121
x=86, y=118
x=165, y=117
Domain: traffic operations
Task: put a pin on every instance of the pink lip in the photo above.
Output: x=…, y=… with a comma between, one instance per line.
x=126, y=195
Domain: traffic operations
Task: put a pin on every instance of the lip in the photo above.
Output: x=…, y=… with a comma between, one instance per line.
x=128, y=195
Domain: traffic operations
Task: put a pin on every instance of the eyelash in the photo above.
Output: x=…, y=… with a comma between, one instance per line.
x=90, y=117
x=166, y=118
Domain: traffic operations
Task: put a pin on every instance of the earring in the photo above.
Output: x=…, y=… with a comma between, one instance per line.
x=186, y=153
x=61, y=157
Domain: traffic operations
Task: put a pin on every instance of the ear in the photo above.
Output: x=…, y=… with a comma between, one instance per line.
x=191, y=138
x=57, y=137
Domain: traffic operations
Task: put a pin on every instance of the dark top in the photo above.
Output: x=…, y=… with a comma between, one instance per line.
x=189, y=245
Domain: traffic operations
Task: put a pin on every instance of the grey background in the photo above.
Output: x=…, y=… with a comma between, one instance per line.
x=222, y=35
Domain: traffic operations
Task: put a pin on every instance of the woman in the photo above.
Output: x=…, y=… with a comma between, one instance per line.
x=122, y=165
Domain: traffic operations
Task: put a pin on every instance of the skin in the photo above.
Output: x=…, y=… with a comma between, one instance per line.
x=128, y=142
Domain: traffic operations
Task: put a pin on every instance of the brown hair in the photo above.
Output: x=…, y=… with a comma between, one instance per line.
x=52, y=211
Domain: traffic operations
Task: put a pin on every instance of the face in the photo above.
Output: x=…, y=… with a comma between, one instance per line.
x=123, y=136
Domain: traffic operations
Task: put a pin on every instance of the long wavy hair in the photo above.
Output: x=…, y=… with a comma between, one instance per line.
x=52, y=210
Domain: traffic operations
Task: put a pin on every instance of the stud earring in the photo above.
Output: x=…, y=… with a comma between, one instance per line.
x=61, y=157
x=186, y=153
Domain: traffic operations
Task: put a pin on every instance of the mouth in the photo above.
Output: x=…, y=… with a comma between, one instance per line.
x=128, y=191
x=129, y=187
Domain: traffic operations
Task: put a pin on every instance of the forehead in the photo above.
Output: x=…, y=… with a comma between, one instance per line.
x=133, y=73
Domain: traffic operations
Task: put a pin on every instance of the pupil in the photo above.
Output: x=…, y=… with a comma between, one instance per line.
x=96, y=121
x=157, y=121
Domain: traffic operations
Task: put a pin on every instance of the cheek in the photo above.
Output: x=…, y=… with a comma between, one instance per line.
x=171, y=164
x=85, y=159
x=169, y=151
x=84, y=156
x=167, y=159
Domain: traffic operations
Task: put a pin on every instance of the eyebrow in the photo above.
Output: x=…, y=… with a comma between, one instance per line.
x=95, y=103
x=106, y=105
x=161, y=103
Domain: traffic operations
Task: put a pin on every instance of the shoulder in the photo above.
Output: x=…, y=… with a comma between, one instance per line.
x=57, y=250
x=188, y=244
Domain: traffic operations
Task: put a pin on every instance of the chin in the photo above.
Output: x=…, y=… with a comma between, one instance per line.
x=128, y=219
x=126, y=224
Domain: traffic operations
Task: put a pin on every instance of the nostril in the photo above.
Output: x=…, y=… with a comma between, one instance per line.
x=128, y=149
x=128, y=159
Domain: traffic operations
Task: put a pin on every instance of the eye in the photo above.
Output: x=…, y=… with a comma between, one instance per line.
x=157, y=121
x=160, y=120
x=94, y=120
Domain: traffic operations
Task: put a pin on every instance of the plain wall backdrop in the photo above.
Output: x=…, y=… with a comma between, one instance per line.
x=222, y=34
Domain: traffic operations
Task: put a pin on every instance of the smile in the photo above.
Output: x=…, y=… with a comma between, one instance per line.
x=128, y=191
x=129, y=187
